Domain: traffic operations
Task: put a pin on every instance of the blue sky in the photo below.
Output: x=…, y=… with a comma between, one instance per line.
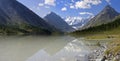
x=70, y=8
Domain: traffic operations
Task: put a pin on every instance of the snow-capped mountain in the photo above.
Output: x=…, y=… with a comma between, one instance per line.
x=73, y=20
x=76, y=22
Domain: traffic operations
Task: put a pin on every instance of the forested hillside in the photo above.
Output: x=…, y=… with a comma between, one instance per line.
x=24, y=29
x=104, y=28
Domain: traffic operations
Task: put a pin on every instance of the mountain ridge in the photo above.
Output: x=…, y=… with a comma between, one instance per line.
x=16, y=15
x=104, y=29
x=77, y=22
x=58, y=22
x=112, y=27
x=105, y=16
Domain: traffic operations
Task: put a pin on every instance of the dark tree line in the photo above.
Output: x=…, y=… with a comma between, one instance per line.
x=24, y=29
x=104, y=27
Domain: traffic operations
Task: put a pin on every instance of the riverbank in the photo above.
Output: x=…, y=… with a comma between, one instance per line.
x=112, y=50
x=109, y=51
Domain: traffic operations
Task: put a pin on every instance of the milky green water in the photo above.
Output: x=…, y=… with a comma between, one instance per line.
x=42, y=48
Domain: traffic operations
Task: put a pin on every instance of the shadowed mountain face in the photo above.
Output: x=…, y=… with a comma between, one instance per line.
x=13, y=13
x=3, y=17
x=58, y=22
x=105, y=16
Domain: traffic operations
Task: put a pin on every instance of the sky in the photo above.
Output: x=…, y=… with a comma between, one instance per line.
x=70, y=8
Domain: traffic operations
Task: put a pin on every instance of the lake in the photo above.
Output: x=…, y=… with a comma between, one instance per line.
x=44, y=48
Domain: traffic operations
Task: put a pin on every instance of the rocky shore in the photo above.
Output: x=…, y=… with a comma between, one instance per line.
x=106, y=52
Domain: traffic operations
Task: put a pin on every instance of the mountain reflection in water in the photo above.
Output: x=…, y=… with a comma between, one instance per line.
x=67, y=53
x=41, y=48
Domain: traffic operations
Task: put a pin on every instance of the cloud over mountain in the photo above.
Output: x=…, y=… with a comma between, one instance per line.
x=83, y=13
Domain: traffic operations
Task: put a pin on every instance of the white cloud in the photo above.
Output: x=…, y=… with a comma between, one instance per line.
x=86, y=3
x=90, y=15
x=82, y=4
x=50, y=2
x=84, y=13
x=95, y=2
x=71, y=6
x=108, y=1
x=40, y=4
x=64, y=9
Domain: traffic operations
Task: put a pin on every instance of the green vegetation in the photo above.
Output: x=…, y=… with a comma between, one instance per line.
x=98, y=44
x=110, y=30
x=23, y=29
x=105, y=31
x=113, y=48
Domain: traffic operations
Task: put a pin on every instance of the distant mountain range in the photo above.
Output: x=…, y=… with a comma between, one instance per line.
x=16, y=18
x=106, y=22
x=58, y=22
x=105, y=16
x=77, y=22
x=111, y=28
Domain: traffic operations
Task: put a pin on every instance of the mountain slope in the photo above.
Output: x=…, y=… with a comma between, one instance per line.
x=58, y=22
x=105, y=16
x=14, y=14
x=109, y=28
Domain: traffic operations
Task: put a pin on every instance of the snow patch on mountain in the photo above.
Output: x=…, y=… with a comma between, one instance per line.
x=76, y=22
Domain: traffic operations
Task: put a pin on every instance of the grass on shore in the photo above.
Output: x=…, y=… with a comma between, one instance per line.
x=113, y=33
x=113, y=48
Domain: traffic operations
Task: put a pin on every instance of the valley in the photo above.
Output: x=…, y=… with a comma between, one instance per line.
x=87, y=30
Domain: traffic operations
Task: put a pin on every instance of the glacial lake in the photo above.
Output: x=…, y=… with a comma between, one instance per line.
x=44, y=48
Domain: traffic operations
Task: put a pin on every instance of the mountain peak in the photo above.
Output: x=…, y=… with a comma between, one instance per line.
x=108, y=7
x=108, y=10
x=105, y=16
x=51, y=14
x=58, y=22
x=15, y=14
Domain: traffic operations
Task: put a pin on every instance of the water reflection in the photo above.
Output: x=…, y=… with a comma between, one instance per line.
x=42, y=48
x=70, y=52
